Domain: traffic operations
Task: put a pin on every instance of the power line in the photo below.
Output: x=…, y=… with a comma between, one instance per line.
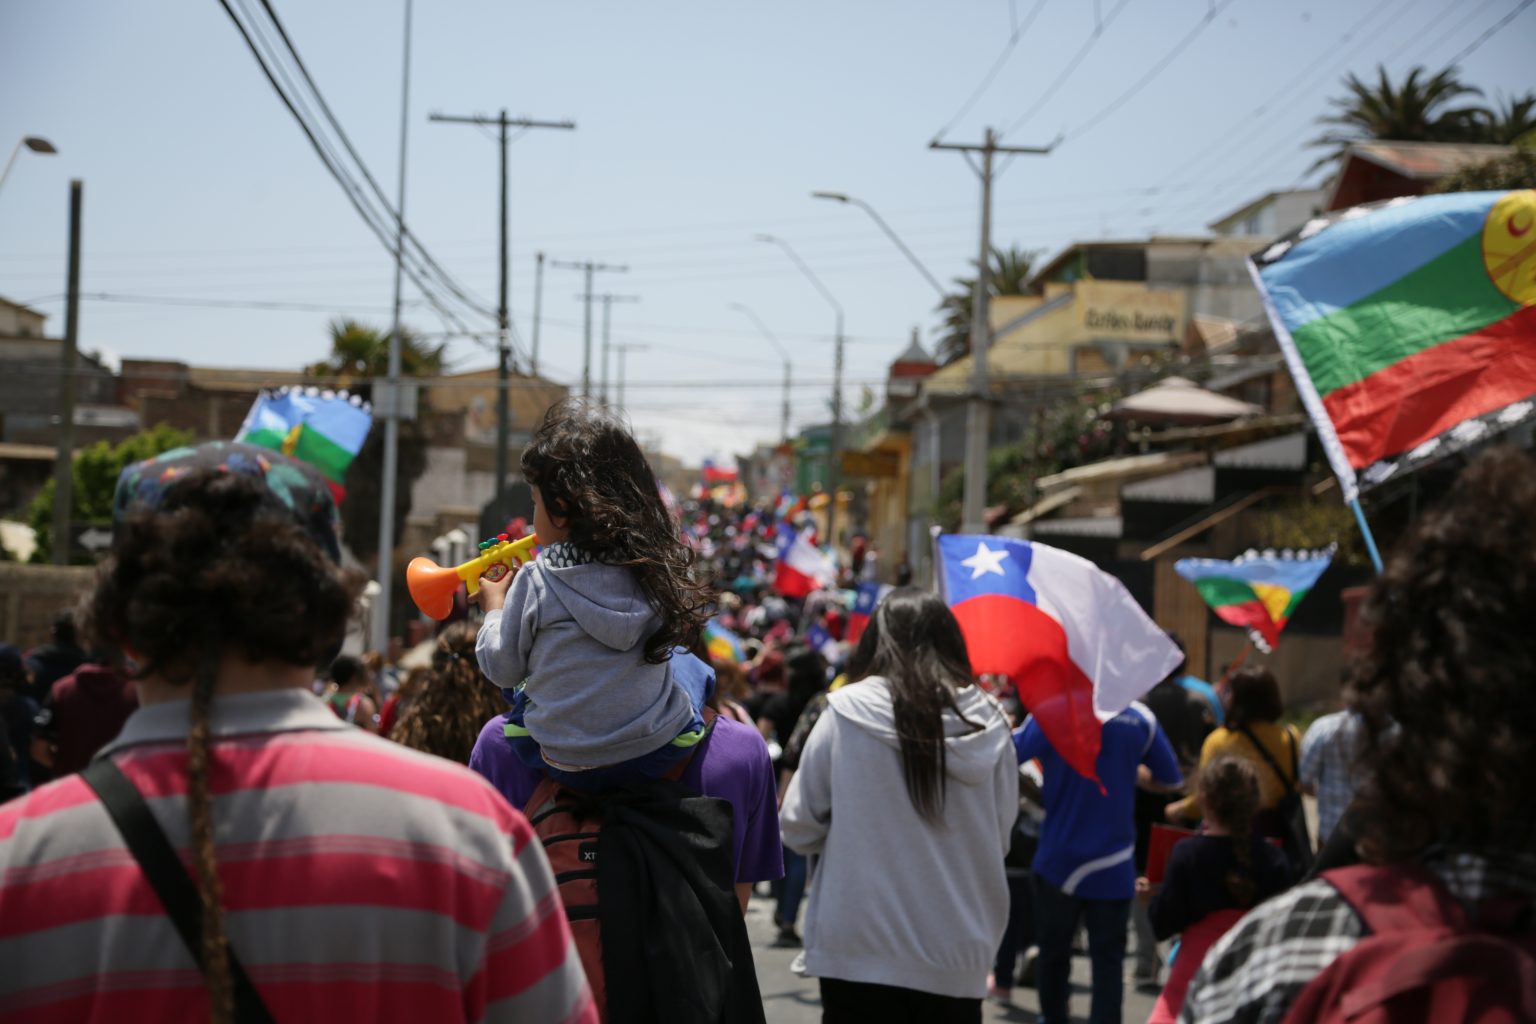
x=1480, y=40
x=997, y=67
x=1066, y=72
x=1156, y=69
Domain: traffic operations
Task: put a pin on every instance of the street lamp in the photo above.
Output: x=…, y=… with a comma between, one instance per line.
x=843, y=197
x=834, y=471
x=784, y=414
x=36, y=144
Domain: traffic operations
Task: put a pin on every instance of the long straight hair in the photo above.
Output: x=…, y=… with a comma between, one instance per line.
x=914, y=643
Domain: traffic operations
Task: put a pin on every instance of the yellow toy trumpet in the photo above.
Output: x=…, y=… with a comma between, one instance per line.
x=432, y=586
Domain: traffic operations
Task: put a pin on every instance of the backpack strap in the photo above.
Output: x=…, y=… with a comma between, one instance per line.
x=1412, y=898
x=1269, y=759
x=147, y=842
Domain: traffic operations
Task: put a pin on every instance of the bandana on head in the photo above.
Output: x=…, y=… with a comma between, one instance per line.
x=300, y=489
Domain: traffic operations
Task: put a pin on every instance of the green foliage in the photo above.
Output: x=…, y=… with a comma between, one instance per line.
x=1514, y=170
x=1312, y=525
x=1069, y=433
x=1008, y=275
x=360, y=353
x=1417, y=110
x=96, y=471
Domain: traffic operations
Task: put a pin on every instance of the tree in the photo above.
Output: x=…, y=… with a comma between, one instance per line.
x=1513, y=170
x=1418, y=110
x=96, y=470
x=1008, y=275
x=1510, y=124
x=358, y=355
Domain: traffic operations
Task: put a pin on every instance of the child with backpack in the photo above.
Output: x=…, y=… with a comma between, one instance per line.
x=1212, y=879
x=582, y=639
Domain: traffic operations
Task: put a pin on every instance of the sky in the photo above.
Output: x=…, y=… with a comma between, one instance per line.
x=699, y=126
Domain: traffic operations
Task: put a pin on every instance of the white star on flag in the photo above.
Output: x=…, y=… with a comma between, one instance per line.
x=985, y=560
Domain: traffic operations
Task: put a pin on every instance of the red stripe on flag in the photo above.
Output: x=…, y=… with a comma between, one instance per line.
x=1250, y=615
x=1402, y=406
x=1007, y=636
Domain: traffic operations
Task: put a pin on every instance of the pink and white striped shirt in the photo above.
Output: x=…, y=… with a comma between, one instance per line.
x=362, y=881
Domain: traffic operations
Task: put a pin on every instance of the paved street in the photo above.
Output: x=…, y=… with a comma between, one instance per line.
x=790, y=999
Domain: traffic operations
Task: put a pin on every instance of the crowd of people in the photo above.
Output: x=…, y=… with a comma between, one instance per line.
x=653, y=708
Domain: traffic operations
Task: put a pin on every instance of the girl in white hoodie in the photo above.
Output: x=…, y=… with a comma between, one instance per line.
x=906, y=791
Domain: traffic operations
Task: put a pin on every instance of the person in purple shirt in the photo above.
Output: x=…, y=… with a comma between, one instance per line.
x=731, y=764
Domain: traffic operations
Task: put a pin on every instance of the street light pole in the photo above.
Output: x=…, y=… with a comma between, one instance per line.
x=35, y=143
x=973, y=514
x=503, y=312
x=834, y=470
x=390, y=476
x=64, y=459
x=843, y=197
x=774, y=341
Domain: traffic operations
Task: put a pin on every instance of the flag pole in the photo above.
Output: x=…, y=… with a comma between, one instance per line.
x=1365, y=531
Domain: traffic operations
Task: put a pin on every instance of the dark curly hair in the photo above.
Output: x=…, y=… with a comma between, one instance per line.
x=590, y=470
x=1446, y=686
x=1229, y=794
x=221, y=567
x=455, y=703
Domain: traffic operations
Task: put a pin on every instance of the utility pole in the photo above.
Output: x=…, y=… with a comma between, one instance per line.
x=64, y=460
x=607, y=299
x=392, y=408
x=978, y=411
x=538, y=303
x=589, y=268
x=624, y=350
x=503, y=313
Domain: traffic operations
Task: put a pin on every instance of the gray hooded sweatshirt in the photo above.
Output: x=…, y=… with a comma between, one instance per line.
x=577, y=635
x=898, y=901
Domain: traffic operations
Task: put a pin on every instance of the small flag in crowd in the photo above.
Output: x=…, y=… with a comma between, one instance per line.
x=1256, y=592
x=1072, y=639
x=323, y=428
x=1409, y=326
x=723, y=645
x=802, y=568
x=869, y=597
x=716, y=474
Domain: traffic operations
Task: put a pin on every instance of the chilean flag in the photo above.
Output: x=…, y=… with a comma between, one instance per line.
x=801, y=568
x=869, y=597
x=1069, y=635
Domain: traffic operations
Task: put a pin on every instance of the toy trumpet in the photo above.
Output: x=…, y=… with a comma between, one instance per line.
x=432, y=586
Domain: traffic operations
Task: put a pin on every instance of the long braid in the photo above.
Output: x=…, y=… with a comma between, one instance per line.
x=216, y=973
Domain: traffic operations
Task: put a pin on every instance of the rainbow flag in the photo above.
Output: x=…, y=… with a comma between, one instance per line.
x=323, y=428
x=723, y=644
x=1409, y=326
x=1256, y=592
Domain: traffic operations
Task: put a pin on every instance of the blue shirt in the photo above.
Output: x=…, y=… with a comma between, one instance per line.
x=1088, y=838
x=1328, y=763
x=1201, y=688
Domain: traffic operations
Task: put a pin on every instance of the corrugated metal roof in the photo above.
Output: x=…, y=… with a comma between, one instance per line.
x=1426, y=161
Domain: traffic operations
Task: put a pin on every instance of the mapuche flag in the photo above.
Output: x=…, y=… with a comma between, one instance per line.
x=1075, y=643
x=1256, y=592
x=323, y=428
x=1408, y=325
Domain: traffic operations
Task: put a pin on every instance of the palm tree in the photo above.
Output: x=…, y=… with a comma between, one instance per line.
x=359, y=354
x=1415, y=111
x=1008, y=275
x=1510, y=123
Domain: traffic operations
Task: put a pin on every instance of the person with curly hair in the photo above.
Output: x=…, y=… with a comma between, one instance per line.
x=1447, y=807
x=453, y=703
x=333, y=875
x=583, y=639
x=1212, y=879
